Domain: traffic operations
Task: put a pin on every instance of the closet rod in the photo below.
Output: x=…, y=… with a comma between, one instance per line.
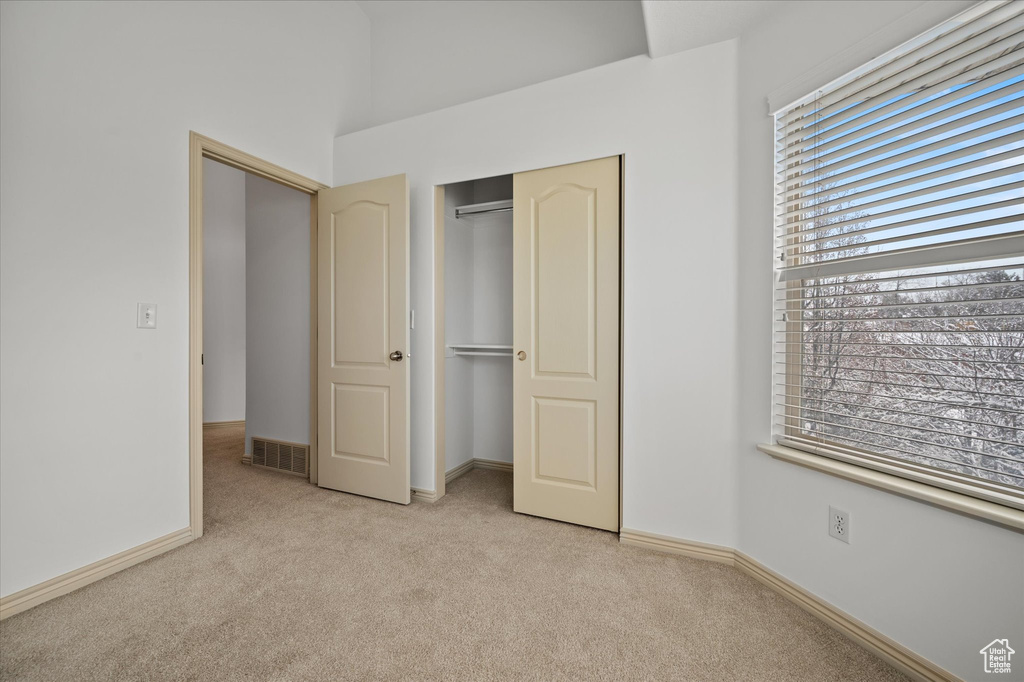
x=485, y=207
x=474, y=352
x=459, y=213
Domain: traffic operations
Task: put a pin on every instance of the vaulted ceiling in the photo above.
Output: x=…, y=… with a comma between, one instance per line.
x=674, y=25
x=431, y=54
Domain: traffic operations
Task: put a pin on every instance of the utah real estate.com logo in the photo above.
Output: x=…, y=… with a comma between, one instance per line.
x=997, y=656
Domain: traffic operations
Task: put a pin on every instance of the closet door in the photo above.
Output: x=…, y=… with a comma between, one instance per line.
x=566, y=336
x=363, y=338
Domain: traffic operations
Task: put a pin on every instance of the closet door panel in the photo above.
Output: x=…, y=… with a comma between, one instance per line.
x=566, y=335
x=363, y=376
x=565, y=263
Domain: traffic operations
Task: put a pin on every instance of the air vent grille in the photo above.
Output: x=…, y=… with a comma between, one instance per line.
x=292, y=458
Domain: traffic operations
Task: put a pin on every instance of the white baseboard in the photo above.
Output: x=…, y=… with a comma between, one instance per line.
x=458, y=471
x=894, y=653
x=664, y=543
x=891, y=651
x=80, y=577
x=424, y=495
x=223, y=425
x=491, y=464
x=476, y=463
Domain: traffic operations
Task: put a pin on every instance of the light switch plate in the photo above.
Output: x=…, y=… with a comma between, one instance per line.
x=147, y=316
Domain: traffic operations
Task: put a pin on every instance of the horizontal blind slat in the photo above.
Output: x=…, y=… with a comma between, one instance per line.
x=798, y=229
x=892, y=116
x=978, y=40
x=1010, y=157
x=966, y=137
x=962, y=251
x=784, y=398
x=929, y=45
x=931, y=401
x=1013, y=140
x=909, y=428
x=822, y=164
x=957, y=183
x=945, y=274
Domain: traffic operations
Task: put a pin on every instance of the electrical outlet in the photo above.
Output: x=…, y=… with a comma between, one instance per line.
x=839, y=524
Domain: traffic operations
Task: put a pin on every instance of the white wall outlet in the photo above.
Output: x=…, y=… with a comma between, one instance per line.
x=839, y=524
x=147, y=316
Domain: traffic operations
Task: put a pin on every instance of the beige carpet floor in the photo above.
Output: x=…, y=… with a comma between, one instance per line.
x=291, y=582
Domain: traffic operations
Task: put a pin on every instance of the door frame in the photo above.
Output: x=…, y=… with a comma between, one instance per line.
x=200, y=147
x=440, y=458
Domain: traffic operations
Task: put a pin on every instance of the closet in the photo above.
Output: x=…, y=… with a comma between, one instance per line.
x=478, y=325
x=527, y=315
x=531, y=272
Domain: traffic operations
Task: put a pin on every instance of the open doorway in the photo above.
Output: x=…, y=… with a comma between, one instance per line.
x=256, y=320
x=252, y=314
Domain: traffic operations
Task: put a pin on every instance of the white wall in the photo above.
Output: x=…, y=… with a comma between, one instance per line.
x=492, y=323
x=431, y=55
x=675, y=121
x=942, y=584
x=277, y=312
x=96, y=101
x=458, y=296
x=223, y=293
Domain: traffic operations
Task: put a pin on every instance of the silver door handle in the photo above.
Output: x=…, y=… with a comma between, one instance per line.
x=397, y=356
x=521, y=355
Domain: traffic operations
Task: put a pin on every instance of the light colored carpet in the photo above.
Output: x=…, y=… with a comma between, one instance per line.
x=291, y=582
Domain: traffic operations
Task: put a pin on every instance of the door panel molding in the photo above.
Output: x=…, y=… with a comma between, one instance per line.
x=355, y=257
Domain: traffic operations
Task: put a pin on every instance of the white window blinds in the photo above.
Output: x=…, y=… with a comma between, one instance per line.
x=899, y=309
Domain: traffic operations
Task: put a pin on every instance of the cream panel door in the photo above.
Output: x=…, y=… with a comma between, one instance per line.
x=566, y=335
x=362, y=339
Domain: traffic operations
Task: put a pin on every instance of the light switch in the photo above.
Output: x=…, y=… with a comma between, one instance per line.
x=147, y=316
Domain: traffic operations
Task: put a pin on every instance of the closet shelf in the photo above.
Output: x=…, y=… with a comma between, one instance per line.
x=460, y=349
x=486, y=207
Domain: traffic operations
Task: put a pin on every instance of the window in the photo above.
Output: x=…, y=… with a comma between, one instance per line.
x=899, y=304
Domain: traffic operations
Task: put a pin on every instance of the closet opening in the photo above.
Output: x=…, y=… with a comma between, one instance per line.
x=476, y=335
x=528, y=337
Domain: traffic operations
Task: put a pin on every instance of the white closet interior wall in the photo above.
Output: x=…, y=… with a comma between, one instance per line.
x=478, y=309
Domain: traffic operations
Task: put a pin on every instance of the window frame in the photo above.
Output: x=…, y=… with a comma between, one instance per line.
x=967, y=494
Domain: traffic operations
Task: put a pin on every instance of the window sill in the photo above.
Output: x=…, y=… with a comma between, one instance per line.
x=940, y=497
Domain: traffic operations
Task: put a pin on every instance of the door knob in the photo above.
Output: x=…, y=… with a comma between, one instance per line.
x=521, y=355
x=397, y=356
